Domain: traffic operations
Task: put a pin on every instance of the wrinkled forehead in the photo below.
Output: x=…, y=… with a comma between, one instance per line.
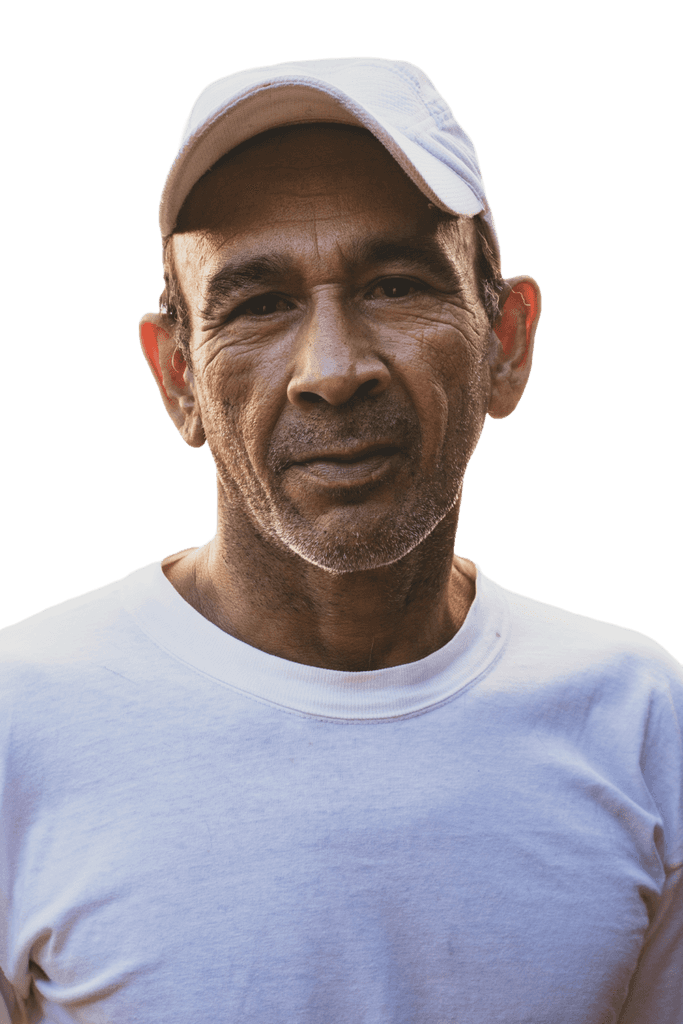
x=309, y=186
x=290, y=162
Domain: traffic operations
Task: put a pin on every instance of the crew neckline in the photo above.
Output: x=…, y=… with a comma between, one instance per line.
x=376, y=695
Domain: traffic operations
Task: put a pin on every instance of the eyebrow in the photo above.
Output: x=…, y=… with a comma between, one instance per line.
x=239, y=274
x=264, y=271
x=425, y=254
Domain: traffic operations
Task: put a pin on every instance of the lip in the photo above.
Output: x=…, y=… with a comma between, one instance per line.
x=349, y=467
x=347, y=454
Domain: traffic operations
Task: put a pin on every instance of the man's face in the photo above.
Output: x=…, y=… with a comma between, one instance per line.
x=339, y=346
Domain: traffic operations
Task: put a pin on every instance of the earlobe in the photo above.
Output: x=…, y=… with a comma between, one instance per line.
x=512, y=341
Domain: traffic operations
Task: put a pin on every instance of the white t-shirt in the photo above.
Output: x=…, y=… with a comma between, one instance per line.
x=196, y=832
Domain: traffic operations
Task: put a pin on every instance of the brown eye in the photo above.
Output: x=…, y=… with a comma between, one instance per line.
x=265, y=305
x=394, y=288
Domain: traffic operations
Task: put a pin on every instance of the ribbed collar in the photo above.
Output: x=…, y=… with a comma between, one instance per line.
x=396, y=692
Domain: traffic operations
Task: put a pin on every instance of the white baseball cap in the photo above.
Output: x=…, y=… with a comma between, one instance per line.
x=392, y=99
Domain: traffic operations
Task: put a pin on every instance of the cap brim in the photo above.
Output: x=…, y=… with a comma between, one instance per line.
x=288, y=101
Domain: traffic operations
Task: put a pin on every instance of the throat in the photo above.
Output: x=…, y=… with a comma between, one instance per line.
x=352, y=622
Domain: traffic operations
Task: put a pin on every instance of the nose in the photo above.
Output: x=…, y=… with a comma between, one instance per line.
x=336, y=358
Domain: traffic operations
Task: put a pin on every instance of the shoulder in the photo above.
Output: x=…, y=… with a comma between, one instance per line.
x=605, y=695
x=55, y=629
x=535, y=617
x=65, y=643
x=583, y=656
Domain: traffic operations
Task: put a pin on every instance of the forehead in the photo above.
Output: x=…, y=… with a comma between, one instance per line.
x=312, y=192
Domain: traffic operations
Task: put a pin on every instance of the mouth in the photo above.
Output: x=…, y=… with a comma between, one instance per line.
x=349, y=467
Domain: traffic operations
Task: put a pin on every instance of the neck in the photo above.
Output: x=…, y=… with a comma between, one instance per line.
x=267, y=596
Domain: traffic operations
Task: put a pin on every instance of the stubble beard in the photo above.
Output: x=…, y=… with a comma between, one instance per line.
x=387, y=538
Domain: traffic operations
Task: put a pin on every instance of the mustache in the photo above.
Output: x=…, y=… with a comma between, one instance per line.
x=325, y=428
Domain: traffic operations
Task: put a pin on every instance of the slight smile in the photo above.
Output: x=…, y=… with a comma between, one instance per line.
x=351, y=468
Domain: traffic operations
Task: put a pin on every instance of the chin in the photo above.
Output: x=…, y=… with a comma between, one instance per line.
x=342, y=548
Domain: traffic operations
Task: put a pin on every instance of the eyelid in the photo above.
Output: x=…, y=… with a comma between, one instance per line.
x=408, y=278
x=230, y=314
x=260, y=296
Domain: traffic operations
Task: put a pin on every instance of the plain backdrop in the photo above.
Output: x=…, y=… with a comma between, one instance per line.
x=574, y=110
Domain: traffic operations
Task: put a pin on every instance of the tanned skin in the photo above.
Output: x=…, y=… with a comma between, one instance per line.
x=342, y=369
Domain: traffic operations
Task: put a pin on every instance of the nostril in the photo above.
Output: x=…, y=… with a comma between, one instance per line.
x=310, y=396
x=366, y=388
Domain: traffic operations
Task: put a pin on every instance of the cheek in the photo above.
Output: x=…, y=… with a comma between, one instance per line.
x=434, y=370
x=447, y=354
x=240, y=397
x=458, y=377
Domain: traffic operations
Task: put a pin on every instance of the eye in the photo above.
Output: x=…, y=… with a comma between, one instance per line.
x=394, y=288
x=264, y=305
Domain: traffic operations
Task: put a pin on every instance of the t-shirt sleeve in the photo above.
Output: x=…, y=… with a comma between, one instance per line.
x=655, y=994
x=656, y=991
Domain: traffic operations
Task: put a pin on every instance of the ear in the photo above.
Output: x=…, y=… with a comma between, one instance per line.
x=512, y=344
x=173, y=376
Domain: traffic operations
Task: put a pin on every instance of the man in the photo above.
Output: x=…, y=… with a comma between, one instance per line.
x=321, y=770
